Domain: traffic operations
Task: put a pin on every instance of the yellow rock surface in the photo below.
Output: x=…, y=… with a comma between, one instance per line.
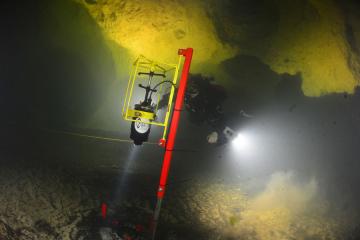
x=157, y=29
x=309, y=37
x=311, y=40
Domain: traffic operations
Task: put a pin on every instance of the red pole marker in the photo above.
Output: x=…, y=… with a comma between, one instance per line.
x=169, y=144
x=139, y=228
x=103, y=210
x=162, y=142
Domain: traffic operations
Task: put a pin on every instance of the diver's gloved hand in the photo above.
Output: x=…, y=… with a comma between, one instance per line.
x=212, y=138
x=223, y=137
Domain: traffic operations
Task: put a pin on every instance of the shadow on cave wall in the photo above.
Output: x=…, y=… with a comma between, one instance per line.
x=57, y=66
x=254, y=84
x=244, y=23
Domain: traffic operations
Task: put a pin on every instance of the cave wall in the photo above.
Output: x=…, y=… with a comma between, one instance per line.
x=311, y=40
x=159, y=28
x=306, y=37
x=57, y=68
x=65, y=62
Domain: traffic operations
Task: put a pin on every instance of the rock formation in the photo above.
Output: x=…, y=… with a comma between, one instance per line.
x=314, y=38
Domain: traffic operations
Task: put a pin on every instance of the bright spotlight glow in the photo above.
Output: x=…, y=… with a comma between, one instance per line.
x=240, y=142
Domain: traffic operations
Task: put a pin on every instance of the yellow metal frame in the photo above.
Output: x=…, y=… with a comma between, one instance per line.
x=128, y=113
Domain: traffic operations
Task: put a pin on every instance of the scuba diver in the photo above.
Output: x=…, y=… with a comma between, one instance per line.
x=204, y=100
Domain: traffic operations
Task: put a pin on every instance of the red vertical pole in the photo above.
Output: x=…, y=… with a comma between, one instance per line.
x=169, y=147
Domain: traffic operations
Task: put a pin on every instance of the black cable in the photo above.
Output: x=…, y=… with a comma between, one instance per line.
x=157, y=85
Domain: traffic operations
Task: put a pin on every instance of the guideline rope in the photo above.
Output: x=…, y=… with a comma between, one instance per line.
x=94, y=137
